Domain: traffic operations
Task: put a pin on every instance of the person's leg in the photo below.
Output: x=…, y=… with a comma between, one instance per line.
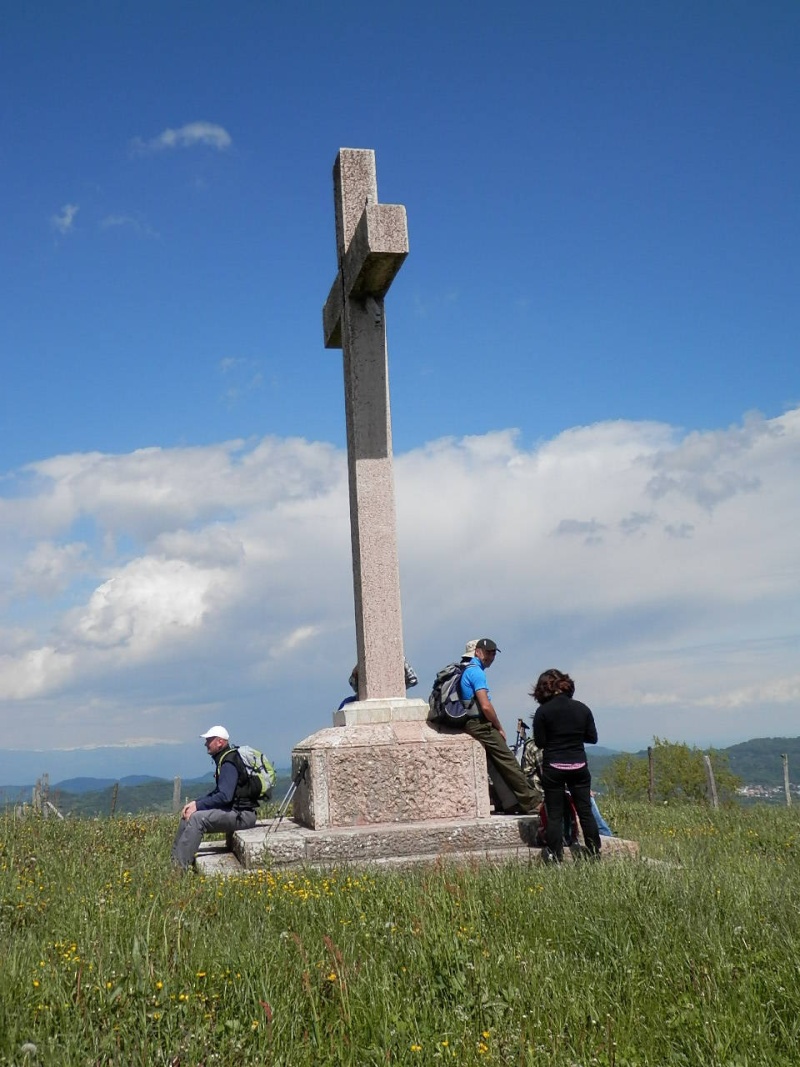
x=245, y=820
x=499, y=793
x=579, y=784
x=177, y=846
x=505, y=763
x=187, y=840
x=213, y=821
x=602, y=825
x=553, y=783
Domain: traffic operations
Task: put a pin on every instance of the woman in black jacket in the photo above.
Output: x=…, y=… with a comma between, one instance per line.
x=561, y=726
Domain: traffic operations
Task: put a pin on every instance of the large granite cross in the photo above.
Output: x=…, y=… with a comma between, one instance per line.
x=371, y=243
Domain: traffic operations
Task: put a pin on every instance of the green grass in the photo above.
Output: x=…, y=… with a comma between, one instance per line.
x=109, y=957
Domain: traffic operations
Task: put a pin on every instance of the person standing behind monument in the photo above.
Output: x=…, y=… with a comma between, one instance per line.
x=410, y=679
x=484, y=725
x=227, y=808
x=561, y=727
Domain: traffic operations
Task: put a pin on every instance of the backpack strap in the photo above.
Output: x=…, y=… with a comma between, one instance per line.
x=243, y=778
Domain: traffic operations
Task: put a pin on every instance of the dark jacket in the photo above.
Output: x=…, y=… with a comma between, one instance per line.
x=560, y=728
x=232, y=790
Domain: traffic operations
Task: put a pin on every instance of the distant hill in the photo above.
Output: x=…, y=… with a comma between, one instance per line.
x=136, y=794
x=758, y=762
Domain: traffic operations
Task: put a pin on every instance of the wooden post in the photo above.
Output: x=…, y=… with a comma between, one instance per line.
x=712, y=785
x=114, y=795
x=176, y=794
x=787, y=791
x=650, y=775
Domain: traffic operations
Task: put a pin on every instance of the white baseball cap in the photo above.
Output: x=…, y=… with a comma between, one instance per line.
x=216, y=731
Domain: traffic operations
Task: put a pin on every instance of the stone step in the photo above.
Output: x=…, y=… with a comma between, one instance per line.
x=499, y=838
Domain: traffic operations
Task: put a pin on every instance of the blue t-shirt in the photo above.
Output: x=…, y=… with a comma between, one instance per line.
x=473, y=679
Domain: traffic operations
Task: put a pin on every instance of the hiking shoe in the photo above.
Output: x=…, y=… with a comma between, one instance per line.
x=550, y=857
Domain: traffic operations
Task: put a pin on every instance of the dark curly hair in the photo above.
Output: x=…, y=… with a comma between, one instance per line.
x=550, y=684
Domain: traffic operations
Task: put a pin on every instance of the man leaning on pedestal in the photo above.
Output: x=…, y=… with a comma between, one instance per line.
x=225, y=809
x=483, y=724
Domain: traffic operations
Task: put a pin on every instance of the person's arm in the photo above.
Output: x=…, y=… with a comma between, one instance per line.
x=539, y=732
x=487, y=710
x=222, y=796
x=590, y=735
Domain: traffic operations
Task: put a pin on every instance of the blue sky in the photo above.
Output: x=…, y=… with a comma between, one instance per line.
x=593, y=357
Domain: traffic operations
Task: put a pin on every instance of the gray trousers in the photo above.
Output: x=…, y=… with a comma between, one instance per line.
x=213, y=821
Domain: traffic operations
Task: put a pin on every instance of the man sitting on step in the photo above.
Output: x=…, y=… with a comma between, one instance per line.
x=226, y=809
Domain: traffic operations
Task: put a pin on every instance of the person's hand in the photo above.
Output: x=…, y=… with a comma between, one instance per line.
x=502, y=733
x=188, y=810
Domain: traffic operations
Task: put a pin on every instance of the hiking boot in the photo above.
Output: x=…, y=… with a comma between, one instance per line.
x=550, y=857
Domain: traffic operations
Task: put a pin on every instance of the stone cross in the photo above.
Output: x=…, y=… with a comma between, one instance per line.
x=371, y=244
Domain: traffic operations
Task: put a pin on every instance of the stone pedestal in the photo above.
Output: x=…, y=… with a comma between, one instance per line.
x=393, y=767
x=287, y=846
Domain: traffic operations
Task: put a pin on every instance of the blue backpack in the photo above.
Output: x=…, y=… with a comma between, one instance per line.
x=445, y=702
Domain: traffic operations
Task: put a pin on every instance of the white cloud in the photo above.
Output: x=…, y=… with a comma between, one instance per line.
x=188, y=136
x=147, y=602
x=49, y=568
x=241, y=375
x=660, y=571
x=127, y=222
x=64, y=220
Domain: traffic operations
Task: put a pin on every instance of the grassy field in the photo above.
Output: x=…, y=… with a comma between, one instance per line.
x=690, y=958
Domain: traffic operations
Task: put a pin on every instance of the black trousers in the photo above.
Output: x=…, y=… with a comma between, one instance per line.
x=579, y=783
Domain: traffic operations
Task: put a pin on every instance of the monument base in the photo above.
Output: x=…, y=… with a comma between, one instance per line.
x=396, y=771
x=499, y=839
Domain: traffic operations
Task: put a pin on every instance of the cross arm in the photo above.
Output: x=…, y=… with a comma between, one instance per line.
x=375, y=255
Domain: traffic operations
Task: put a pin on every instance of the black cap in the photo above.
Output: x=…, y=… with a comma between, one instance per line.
x=487, y=644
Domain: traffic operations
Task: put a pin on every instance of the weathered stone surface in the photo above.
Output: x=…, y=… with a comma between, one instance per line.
x=371, y=244
x=499, y=839
x=389, y=772
x=368, y=712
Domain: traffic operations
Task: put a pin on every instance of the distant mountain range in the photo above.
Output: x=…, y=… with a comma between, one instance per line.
x=133, y=794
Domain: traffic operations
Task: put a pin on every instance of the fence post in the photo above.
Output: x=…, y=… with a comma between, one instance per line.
x=651, y=791
x=712, y=785
x=176, y=794
x=114, y=794
x=787, y=791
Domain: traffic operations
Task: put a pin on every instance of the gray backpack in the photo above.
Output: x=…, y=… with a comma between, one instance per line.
x=445, y=702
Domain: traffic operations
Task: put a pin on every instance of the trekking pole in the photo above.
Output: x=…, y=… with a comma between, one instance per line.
x=290, y=792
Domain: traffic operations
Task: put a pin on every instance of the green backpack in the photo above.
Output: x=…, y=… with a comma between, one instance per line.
x=260, y=772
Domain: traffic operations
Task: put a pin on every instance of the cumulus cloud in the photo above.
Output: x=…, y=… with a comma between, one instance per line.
x=64, y=220
x=188, y=136
x=660, y=570
x=49, y=568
